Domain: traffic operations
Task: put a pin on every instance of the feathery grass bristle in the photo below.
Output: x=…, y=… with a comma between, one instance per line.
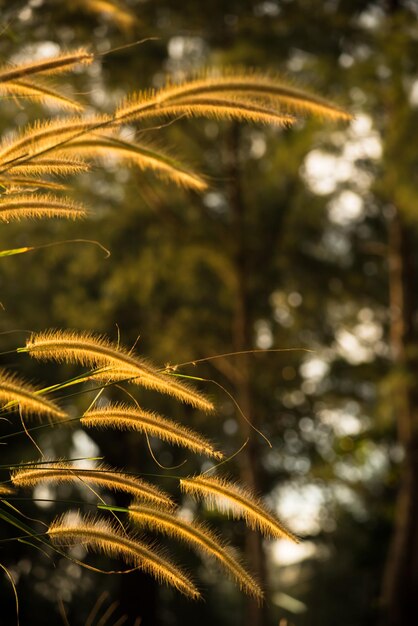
x=209, y=106
x=119, y=363
x=102, y=476
x=38, y=92
x=199, y=536
x=5, y=490
x=41, y=136
x=37, y=166
x=52, y=65
x=144, y=156
x=237, y=500
x=14, y=392
x=16, y=184
x=99, y=535
x=15, y=207
x=125, y=417
x=250, y=90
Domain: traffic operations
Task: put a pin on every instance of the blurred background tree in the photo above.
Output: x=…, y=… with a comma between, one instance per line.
x=305, y=239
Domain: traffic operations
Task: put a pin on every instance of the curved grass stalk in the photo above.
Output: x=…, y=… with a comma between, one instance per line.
x=14, y=183
x=216, y=107
x=32, y=206
x=96, y=351
x=16, y=392
x=14, y=251
x=199, y=536
x=25, y=249
x=237, y=500
x=40, y=136
x=143, y=156
x=63, y=62
x=157, y=381
x=40, y=166
x=37, y=92
x=101, y=476
x=13, y=584
x=251, y=89
x=123, y=17
x=98, y=534
x=125, y=417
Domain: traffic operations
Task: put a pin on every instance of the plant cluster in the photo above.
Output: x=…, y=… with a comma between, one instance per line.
x=33, y=163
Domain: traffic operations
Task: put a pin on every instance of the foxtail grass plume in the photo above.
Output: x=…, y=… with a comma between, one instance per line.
x=41, y=166
x=125, y=417
x=16, y=393
x=22, y=81
x=40, y=93
x=119, y=364
x=144, y=156
x=63, y=62
x=237, y=500
x=102, y=476
x=16, y=207
x=256, y=98
x=35, y=139
x=198, y=536
x=212, y=107
x=97, y=534
x=15, y=184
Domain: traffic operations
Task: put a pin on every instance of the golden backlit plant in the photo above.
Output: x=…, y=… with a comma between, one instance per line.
x=33, y=164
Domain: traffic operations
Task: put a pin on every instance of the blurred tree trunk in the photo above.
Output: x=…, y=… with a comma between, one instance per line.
x=242, y=338
x=400, y=585
x=400, y=582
